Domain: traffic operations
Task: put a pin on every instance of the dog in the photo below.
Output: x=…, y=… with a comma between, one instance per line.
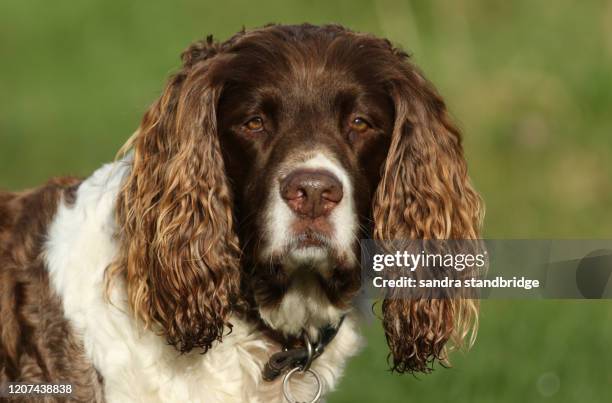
x=229, y=227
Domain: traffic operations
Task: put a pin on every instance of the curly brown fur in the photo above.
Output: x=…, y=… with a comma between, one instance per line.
x=179, y=253
x=425, y=193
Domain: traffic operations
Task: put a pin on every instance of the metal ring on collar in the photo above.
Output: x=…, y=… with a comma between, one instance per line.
x=309, y=352
x=287, y=378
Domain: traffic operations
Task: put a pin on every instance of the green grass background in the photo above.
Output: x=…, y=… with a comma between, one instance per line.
x=530, y=83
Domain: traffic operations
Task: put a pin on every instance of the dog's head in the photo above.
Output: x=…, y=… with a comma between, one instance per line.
x=261, y=166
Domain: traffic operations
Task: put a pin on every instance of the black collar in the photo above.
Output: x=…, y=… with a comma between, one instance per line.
x=301, y=355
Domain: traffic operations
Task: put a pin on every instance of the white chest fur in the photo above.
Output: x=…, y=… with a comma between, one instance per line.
x=138, y=365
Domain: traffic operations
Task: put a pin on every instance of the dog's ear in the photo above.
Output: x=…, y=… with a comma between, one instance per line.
x=424, y=193
x=179, y=250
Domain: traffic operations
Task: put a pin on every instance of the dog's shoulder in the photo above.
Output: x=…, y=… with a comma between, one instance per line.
x=25, y=217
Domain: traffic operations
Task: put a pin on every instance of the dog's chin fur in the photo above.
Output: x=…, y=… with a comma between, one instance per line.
x=311, y=258
x=304, y=306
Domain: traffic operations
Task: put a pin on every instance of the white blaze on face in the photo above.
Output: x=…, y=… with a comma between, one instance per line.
x=280, y=217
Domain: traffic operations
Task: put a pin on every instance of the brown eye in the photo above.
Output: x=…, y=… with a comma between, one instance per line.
x=254, y=125
x=359, y=125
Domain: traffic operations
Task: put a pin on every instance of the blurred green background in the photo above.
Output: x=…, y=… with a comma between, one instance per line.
x=530, y=83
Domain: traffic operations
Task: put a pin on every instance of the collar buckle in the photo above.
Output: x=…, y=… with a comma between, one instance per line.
x=300, y=357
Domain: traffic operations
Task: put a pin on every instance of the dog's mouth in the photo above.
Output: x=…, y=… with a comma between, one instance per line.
x=310, y=238
x=306, y=249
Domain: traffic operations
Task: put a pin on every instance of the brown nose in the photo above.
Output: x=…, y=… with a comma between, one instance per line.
x=311, y=193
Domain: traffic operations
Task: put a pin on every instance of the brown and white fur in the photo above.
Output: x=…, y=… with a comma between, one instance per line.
x=233, y=220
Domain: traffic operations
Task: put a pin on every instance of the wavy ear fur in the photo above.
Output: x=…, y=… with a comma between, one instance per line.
x=424, y=193
x=179, y=252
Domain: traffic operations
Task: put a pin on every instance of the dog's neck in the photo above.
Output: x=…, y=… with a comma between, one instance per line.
x=303, y=307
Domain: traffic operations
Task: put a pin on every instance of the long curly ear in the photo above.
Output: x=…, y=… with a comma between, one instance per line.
x=179, y=252
x=424, y=193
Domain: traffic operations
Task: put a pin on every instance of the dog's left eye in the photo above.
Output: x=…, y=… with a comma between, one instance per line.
x=359, y=125
x=254, y=125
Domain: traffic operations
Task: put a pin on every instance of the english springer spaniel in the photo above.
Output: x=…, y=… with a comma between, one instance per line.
x=229, y=229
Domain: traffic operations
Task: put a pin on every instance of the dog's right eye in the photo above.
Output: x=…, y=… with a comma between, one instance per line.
x=360, y=125
x=254, y=125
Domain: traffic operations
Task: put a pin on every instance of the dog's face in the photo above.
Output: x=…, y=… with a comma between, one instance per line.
x=261, y=166
x=304, y=133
